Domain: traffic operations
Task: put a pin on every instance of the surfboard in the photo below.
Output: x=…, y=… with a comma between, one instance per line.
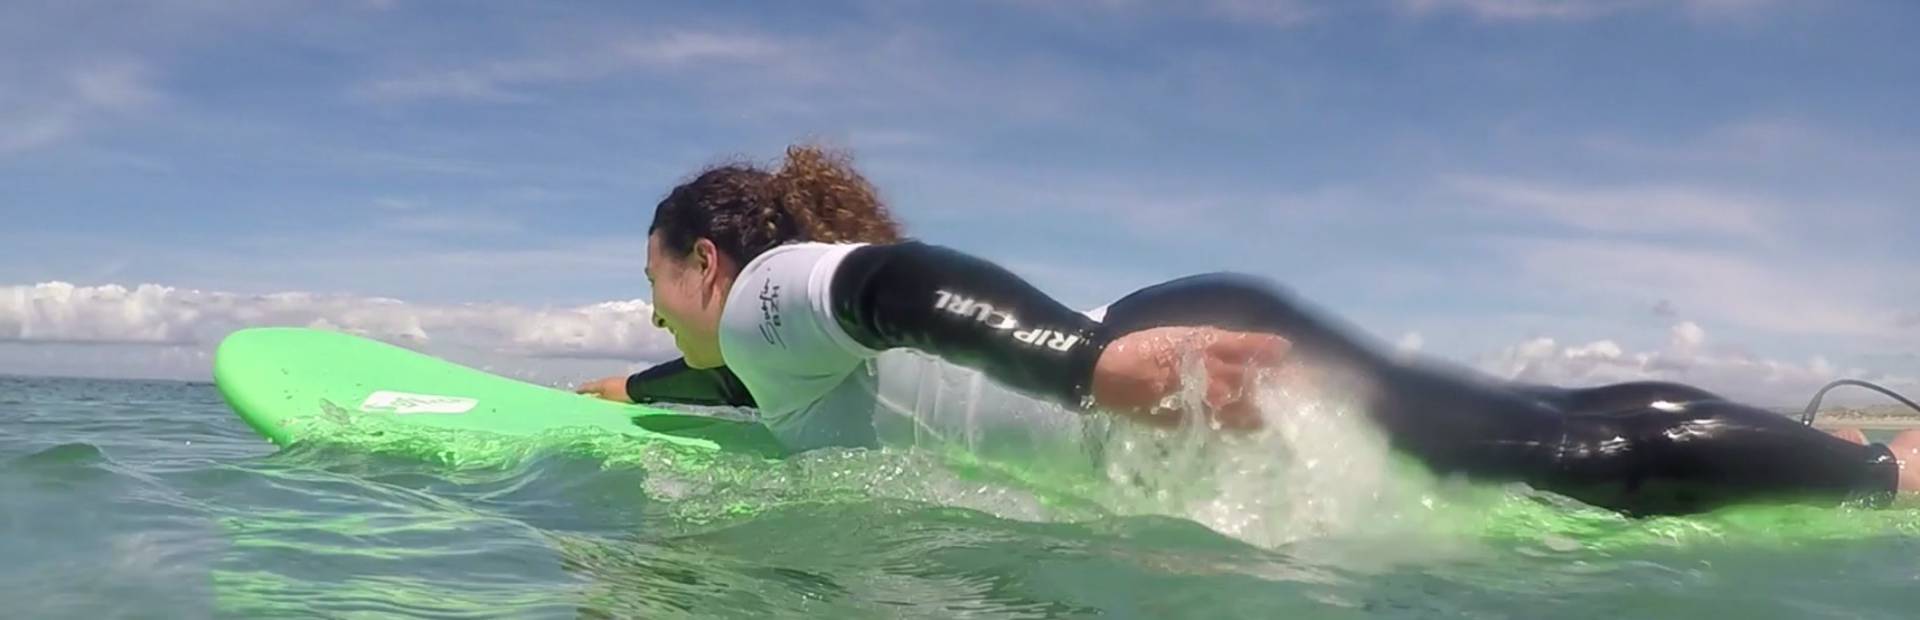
x=294, y=384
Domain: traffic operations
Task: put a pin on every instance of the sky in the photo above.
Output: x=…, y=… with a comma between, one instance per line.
x=1575, y=191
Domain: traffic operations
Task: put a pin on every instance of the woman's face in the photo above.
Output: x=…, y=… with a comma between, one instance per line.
x=688, y=294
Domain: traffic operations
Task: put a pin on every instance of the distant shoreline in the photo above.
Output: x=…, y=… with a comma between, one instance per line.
x=1868, y=424
x=17, y=376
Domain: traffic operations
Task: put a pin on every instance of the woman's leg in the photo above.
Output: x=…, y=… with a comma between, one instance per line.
x=1641, y=448
x=1906, y=450
x=1707, y=454
x=1631, y=396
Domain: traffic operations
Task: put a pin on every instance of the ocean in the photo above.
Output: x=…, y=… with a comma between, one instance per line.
x=149, y=499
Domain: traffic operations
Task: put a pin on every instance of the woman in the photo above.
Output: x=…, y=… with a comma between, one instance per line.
x=790, y=286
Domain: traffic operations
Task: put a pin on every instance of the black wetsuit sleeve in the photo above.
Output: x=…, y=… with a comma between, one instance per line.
x=970, y=312
x=675, y=382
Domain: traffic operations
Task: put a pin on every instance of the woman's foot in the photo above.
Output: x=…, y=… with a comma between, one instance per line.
x=1906, y=449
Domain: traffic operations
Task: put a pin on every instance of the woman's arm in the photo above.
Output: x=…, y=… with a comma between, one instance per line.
x=974, y=313
x=673, y=382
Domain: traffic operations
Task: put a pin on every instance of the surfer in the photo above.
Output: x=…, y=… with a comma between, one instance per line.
x=786, y=290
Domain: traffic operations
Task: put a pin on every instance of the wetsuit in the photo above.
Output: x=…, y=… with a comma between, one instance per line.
x=807, y=325
x=1640, y=448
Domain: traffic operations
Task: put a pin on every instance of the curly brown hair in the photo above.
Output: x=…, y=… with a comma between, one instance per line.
x=816, y=195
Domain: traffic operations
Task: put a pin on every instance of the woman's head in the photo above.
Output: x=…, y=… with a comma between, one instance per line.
x=708, y=228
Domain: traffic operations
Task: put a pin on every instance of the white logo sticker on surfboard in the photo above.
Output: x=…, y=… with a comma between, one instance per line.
x=403, y=403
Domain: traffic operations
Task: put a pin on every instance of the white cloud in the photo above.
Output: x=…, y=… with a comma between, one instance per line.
x=1686, y=338
x=1269, y=12
x=1758, y=248
x=1568, y=10
x=1147, y=208
x=1743, y=141
x=1685, y=359
x=461, y=223
x=1785, y=295
x=506, y=79
x=1262, y=12
x=112, y=86
x=155, y=318
x=1287, y=13
x=38, y=111
x=1632, y=209
x=1512, y=10
x=1765, y=146
x=870, y=139
x=1411, y=342
x=390, y=203
x=74, y=69
x=897, y=78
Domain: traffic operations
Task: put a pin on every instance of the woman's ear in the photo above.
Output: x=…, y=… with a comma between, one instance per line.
x=704, y=258
x=714, y=267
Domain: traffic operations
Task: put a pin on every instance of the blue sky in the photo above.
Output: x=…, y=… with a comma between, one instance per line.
x=1715, y=189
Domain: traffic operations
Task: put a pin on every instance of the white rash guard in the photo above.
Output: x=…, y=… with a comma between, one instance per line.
x=816, y=386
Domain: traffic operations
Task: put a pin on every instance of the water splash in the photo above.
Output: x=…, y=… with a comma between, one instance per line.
x=1315, y=469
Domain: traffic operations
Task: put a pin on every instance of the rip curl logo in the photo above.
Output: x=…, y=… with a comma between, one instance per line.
x=403, y=403
x=1048, y=338
x=770, y=314
x=980, y=311
x=997, y=319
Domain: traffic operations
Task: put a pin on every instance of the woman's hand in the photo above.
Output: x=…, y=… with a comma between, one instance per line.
x=1139, y=371
x=611, y=388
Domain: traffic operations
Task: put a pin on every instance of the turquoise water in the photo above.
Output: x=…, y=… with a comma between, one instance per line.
x=149, y=499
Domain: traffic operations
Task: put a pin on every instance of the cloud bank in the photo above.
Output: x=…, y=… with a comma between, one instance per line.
x=170, y=332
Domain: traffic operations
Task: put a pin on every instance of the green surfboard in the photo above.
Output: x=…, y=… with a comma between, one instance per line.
x=294, y=385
